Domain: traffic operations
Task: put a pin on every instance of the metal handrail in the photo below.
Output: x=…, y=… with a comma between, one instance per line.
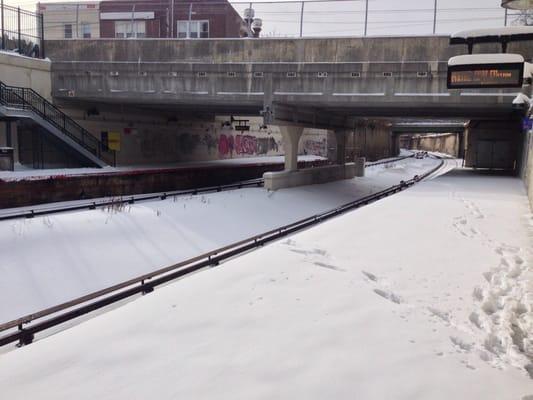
x=28, y=99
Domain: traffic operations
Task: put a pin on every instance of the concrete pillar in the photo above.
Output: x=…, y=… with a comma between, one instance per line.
x=9, y=137
x=9, y=140
x=291, y=137
x=340, y=136
x=360, y=166
x=3, y=133
x=12, y=137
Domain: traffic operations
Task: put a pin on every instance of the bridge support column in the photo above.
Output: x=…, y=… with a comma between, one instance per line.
x=291, y=137
x=291, y=176
x=10, y=137
x=340, y=136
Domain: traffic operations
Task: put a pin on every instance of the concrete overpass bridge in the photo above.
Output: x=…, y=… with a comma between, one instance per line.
x=314, y=82
x=327, y=83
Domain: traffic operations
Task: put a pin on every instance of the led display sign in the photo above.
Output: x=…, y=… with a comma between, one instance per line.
x=472, y=76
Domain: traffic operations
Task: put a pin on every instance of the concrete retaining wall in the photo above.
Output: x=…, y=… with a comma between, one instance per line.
x=268, y=50
x=16, y=70
x=526, y=171
x=371, y=139
x=310, y=176
x=148, y=138
x=447, y=143
x=505, y=136
x=63, y=188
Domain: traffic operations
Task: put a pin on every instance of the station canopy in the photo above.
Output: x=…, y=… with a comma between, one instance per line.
x=502, y=35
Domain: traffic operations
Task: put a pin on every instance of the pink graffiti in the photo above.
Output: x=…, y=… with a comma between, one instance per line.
x=245, y=144
x=225, y=145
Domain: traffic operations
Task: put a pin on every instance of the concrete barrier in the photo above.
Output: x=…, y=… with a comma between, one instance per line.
x=309, y=176
x=360, y=166
x=123, y=183
x=34, y=73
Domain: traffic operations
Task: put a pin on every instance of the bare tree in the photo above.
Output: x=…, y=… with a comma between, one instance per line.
x=523, y=17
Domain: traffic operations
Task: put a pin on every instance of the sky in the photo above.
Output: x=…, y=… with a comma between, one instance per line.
x=347, y=18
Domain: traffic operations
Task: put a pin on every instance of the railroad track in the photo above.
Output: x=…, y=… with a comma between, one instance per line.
x=51, y=317
x=77, y=205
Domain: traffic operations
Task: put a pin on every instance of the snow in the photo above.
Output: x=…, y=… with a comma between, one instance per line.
x=503, y=31
x=495, y=58
x=521, y=98
x=24, y=173
x=411, y=297
x=16, y=54
x=76, y=253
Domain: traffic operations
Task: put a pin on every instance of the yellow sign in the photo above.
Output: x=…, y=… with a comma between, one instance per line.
x=113, y=140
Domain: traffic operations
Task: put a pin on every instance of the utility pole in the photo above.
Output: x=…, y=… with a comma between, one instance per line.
x=18, y=30
x=77, y=20
x=302, y=19
x=167, y=33
x=172, y=19
x=366, y=18
x=3, y=28
x=435, y=17
x=505, y=18
x=189, y=24
x=132, y=19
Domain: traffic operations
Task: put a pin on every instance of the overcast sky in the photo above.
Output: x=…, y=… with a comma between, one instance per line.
x=385, y=17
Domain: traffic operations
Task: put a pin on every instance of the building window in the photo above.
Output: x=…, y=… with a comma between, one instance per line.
x=129, y=29
x=193, y=29
x=85, y=31
x=68, y=31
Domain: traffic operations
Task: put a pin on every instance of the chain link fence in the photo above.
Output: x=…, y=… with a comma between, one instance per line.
x=310, y=18
x=21, y=31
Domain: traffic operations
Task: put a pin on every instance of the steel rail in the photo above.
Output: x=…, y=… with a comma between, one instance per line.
x=372, y=164
x=28, y=212
x=129, y=199
x=145, y=283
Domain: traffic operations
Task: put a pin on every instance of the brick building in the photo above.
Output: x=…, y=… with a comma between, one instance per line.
x=142, y=19
x=79, y=20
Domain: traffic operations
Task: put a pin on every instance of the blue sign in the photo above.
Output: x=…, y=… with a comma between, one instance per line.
x=527, y=123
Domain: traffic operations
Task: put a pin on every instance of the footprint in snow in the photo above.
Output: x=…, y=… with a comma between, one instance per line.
x=370, y=276
x=328, y=266
x=443, y=315
x=461, y=344
x=389, y=295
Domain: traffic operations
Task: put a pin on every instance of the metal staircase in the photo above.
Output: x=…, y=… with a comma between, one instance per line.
x=26, y=103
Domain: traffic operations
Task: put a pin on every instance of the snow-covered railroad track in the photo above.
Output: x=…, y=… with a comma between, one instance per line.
x=59, y=314
x=30, y=212
x=447, y=164
x=91, y=204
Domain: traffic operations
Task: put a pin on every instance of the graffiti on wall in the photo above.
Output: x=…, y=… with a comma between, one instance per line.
x=225, y=144
x=245, y=145
x=316, y=147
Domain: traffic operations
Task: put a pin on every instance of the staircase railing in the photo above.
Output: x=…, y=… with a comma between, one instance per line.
x=28, y=99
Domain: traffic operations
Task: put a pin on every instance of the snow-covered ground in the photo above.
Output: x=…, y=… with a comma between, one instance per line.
x=24, y=173
x=423, y=295
x=52, y=259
